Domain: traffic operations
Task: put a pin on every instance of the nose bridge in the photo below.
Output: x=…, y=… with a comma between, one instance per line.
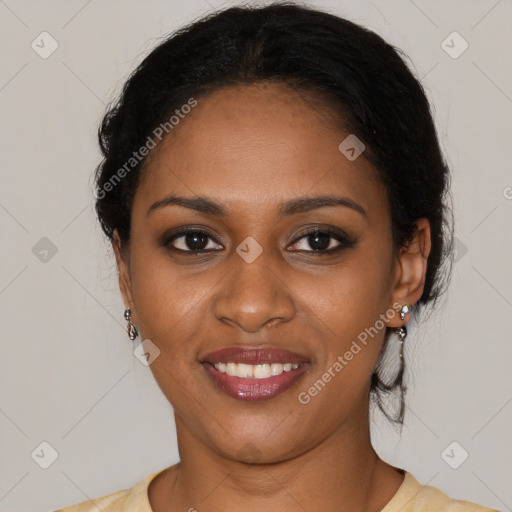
x=252, y=294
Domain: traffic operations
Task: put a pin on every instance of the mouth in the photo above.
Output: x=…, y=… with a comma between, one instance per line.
x=254, y=374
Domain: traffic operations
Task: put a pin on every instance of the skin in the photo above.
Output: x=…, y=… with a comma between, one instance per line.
x=250, y=148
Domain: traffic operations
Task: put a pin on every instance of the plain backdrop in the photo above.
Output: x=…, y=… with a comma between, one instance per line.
x=68, y=374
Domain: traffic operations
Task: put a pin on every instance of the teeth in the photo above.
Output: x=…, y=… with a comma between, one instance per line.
x=255, y=371
x=262, y=371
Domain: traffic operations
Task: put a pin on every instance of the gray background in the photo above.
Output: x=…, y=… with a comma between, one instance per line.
x=68, y=374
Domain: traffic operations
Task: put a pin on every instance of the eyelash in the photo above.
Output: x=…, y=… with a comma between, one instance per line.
x=338, y=236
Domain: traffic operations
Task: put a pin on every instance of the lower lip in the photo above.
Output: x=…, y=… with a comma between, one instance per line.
x=254, y=389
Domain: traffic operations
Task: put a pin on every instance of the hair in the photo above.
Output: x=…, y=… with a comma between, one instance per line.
x=351, y=70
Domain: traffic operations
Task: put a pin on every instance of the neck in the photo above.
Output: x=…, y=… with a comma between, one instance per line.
x=341, y=473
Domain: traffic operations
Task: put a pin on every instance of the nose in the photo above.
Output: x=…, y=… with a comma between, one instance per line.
x=254, y=295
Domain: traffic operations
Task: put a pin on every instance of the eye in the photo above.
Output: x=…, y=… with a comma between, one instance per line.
x=190, y=240
x=323, y=241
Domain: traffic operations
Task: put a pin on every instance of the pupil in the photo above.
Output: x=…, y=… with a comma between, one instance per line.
x=192, y=243
x=320, y=241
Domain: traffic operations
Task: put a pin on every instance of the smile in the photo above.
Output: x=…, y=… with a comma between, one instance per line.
x=254, y=374
x=256, y=371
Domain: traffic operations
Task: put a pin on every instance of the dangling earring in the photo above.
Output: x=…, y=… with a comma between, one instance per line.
x=402, y=331
x=399, y=379
x=132, y=330
x=402, y=334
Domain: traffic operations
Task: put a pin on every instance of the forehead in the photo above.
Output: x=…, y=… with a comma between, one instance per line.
x=250, y=144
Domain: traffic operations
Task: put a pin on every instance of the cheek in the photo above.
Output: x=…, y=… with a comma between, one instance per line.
x=170, y=307
x=340, y=381
x=352, y=304
x=357, y=289
x=164, y=294
x=355, y=334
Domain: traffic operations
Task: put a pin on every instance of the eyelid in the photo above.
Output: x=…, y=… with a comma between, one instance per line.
x=175, y=234
x=344, y=241
x=334, y=232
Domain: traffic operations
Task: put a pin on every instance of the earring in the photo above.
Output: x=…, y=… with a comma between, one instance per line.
x=402, y=331
x=132, y=330
x=402, y=334
x=406, y=308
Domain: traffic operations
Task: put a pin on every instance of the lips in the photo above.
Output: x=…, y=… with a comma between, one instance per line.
x=254, y=388
x=253, y=356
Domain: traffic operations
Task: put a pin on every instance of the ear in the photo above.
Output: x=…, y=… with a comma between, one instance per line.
x=409, y=272
x=123, y=268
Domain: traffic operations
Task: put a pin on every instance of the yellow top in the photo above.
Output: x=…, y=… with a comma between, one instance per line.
x=410, y=497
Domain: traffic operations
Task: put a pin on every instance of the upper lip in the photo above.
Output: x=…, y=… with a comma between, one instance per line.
x=260, y=355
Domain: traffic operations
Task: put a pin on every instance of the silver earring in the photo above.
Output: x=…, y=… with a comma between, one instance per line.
x=402, y=334
x=406, y=308
x=132, y=330
x=402, y=331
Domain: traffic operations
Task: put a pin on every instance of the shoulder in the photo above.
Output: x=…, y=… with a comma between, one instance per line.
x=415, y=497
x=111, y=503
x=134, y=499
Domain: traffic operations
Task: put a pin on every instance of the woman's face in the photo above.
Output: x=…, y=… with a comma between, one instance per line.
x=262, y=282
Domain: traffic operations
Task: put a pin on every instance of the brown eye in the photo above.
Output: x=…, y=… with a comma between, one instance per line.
x=322, y=241
x=190, y=240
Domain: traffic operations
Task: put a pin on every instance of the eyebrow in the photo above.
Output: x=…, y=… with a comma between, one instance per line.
x=294, y=206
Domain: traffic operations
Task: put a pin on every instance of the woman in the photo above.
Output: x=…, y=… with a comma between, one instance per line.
x=275, y=195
